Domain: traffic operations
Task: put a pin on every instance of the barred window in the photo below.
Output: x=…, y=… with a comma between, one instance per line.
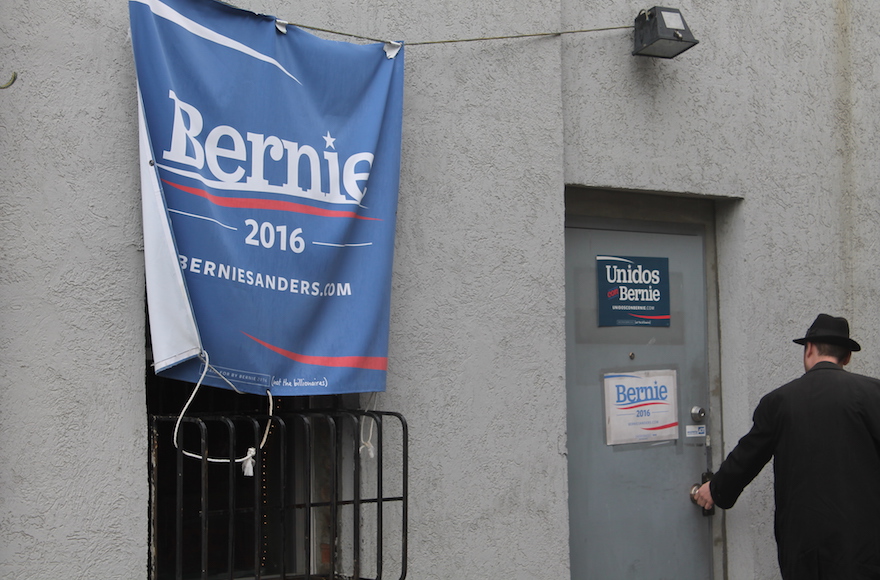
x=327, y=498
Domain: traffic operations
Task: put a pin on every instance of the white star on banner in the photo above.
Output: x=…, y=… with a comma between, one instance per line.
x=328, y=141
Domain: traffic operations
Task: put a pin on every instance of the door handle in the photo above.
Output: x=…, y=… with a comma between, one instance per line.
x=707, y=475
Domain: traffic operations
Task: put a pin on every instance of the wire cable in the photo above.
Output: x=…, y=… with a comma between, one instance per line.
x=450, y=41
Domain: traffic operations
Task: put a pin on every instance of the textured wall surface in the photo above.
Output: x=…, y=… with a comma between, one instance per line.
x=478, y=320
x=73, y=485
x=774, y=116
x=863, y=183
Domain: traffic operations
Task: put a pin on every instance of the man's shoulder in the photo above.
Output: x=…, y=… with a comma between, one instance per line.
x=871, y=382
x=824, y=374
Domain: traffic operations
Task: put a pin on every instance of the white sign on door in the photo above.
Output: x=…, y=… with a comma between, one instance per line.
x=641, y=407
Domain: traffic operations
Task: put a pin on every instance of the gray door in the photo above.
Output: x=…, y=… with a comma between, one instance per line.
x=630, y=512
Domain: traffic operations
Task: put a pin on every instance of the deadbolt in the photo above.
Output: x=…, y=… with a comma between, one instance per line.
x=698, y=414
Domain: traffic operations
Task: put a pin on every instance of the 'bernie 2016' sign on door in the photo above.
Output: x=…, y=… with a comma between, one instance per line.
x=270, y=164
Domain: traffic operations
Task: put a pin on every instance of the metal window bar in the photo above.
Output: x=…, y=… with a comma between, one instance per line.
x=312, y=506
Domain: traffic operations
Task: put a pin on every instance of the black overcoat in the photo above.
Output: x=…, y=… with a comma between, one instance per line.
x=823, y=432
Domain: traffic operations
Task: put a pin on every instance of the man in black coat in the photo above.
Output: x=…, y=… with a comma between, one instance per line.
x=823, y=432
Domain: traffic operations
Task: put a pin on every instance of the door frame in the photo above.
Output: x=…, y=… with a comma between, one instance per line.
x=657, y=211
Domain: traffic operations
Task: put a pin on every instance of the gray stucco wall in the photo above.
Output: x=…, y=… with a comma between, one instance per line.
x=772, y=114
x=478, y=321
x=863, y=181
x=73, y=486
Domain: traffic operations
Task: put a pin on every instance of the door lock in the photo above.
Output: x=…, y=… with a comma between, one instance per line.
x=707, y=475
x=698, y=414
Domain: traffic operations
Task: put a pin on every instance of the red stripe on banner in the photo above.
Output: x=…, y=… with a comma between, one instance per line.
x=660, y=427
x=641, y=405
x=666, y=317
x=249, y=203
x=374, y=363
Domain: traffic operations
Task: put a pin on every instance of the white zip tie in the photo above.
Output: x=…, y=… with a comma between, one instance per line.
x=248, y=461
x=368, y=444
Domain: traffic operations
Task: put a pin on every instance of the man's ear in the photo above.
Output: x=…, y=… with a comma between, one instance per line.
x=809, y=350
x=845, y=360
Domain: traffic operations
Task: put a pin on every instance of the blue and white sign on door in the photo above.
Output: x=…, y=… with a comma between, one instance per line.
x=633, y=291
x=640, y=407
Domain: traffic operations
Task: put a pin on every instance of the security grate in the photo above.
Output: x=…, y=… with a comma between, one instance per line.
x=327, y=499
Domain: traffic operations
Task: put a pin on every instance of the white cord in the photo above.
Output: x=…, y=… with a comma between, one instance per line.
x=247, y=462
x=271, y=410
x=216, y=372
x=368, y=444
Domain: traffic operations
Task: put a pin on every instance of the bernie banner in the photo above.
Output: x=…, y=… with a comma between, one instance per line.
x=270, y=164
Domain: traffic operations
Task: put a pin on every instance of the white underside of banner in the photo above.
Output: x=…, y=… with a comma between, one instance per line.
x=173, y=330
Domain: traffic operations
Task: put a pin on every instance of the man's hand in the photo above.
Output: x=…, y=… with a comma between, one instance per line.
x=703, y=497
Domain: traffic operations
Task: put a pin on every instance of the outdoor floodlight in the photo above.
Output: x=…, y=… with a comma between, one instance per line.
x=661, y=33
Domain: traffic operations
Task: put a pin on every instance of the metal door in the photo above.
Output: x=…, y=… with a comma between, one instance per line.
x=630, y=512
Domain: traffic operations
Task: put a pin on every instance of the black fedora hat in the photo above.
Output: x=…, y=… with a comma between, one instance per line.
x=830, y=330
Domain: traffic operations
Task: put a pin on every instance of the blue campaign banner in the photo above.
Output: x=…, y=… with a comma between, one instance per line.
x=276, y=157
x=633, y=291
